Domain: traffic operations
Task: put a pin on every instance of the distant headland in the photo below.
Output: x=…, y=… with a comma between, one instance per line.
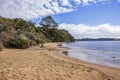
x=98, y=39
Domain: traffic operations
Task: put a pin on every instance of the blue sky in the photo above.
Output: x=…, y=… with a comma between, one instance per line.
x=82, y=18
x=93, y=14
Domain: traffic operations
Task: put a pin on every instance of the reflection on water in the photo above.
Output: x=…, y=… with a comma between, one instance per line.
x=99, y=52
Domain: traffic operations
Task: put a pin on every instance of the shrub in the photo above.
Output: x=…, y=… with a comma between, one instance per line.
x=19, y=43
x=42, y=45
x=1, y=47
x=37, y=41
x=32, y=43
x=18, y=33
x=56, y=35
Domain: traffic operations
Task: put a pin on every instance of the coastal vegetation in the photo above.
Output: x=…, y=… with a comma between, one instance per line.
x=18, y=33
x=1, y=47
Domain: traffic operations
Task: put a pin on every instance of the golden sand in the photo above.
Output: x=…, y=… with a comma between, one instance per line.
x=47, y=63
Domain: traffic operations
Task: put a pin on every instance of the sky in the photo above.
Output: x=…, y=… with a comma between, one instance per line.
x=82, y=18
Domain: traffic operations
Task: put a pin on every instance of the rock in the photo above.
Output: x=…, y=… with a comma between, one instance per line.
x=65, y=52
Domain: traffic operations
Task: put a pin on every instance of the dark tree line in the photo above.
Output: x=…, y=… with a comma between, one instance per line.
x=18, y=33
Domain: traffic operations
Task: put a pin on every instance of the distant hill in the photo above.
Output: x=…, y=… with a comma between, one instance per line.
x=97, y=39
x=18, y=33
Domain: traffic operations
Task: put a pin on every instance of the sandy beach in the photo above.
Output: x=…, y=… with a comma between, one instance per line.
x=48, y=63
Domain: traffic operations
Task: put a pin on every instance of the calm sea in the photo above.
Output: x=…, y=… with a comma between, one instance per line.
x=99, y=52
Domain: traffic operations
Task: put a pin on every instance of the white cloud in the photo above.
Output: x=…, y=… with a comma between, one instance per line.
x=65, y=2
x=85, y=31
x=86, y=2
x=29, y=9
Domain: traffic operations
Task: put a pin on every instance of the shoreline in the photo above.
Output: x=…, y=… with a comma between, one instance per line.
x=106, y=69
x=48, y=63
x=111, y=66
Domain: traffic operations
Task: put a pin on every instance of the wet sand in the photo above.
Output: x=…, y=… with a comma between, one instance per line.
x=47, y=63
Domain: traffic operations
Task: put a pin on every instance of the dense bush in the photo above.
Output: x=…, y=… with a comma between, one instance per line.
x=1, y=47
x=18, y=33
x=19, y=43
x=55, y=35
x=49, y=29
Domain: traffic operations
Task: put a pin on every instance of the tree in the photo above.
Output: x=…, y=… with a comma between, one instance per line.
x=18, y=33
x=48, y=22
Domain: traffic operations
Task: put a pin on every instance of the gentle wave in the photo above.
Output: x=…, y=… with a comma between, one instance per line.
x=108, y=58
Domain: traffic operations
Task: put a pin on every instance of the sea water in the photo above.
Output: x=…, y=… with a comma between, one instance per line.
x=100, y=52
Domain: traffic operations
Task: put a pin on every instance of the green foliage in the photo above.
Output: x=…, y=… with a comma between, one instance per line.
x=48, y=22
x=10, y=28
x=18, y=33
x=60, y=36
x=52, y=33
x=19, y=43
x=55, y=35
x=4, y=38
x=1, y=47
